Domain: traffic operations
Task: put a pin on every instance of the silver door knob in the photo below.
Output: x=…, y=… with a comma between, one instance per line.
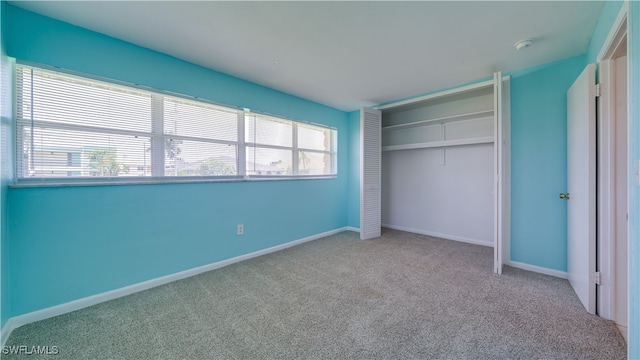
x=564, y=196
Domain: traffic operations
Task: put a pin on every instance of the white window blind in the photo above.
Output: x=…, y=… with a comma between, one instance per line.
x=200, y=139
x=69, y=126
x=270, y=145
x=282, y=147
x=315, y=150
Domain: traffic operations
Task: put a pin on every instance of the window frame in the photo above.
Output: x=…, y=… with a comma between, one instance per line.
x=157, y=139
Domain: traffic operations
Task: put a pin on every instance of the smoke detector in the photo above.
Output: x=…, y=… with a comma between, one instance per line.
x=523, y=44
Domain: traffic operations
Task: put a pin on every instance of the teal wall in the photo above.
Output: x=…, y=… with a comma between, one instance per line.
x=5, y=117
x=66, y=243
x=69, y=243
x=6, y=171
x=354, y=171
x=539, y=162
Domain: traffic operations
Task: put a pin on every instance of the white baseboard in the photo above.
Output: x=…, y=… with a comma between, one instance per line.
x=6, y=331
x=20, y=320
x=443, y=236
x=351, y=228
x=538, y=269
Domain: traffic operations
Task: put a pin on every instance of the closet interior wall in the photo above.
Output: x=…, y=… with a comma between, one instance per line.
x=438, y=166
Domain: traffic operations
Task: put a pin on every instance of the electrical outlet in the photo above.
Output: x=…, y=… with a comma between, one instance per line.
x=240, y=229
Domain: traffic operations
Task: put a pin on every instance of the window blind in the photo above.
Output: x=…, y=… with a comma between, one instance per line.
x=71, y=126
x=200, y=139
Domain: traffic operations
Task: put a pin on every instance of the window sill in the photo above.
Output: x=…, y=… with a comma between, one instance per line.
x=63, y=182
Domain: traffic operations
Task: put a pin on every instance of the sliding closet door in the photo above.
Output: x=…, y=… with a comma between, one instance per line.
x=370, y=173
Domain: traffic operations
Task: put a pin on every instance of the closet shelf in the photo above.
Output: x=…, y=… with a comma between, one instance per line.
x=443, y=143
x=467, y=116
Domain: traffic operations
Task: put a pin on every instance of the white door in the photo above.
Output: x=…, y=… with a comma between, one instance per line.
x=581, y=187
x=370, y=173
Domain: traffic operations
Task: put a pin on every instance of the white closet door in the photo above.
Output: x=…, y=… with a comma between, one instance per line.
x=502, y=172
x=370, y=173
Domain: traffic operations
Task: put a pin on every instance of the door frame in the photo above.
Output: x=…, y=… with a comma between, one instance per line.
x=606, y=176
x=502, y=171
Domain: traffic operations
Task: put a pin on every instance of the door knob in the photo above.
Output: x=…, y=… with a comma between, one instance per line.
x=564, y=196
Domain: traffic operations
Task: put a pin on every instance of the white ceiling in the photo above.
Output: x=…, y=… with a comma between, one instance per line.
x=344, y=54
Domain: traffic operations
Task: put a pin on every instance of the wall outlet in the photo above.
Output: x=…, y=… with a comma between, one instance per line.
x=240, y=229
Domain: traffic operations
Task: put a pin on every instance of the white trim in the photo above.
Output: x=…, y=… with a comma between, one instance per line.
x=473, y=116
x=20, y=320
x=351, y=228
x=442, y=143
x=624, y=330
x=86, y=128
x=505, y=186
x=614, y=31
x=438, y=94
x=149, y=180
x=606, y=189
x=498, y=160
x=607, y=152
x=440, y=235
x=241, y=159
x=6, y=331
x=457, y=90
x=296, y=151
x=539, y=269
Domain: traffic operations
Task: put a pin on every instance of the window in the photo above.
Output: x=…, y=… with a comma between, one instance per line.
x=199, y=139
x=269, y=145
x=73, y=127
x=315, y=152
x=282, y=147
x=69, y=126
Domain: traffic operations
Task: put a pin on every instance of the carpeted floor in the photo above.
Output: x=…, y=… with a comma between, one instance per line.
x=398, y=296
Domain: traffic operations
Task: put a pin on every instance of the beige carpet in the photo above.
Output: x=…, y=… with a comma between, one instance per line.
x=398, y=296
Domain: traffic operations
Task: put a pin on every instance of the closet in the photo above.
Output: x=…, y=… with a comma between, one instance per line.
x=444, y=165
